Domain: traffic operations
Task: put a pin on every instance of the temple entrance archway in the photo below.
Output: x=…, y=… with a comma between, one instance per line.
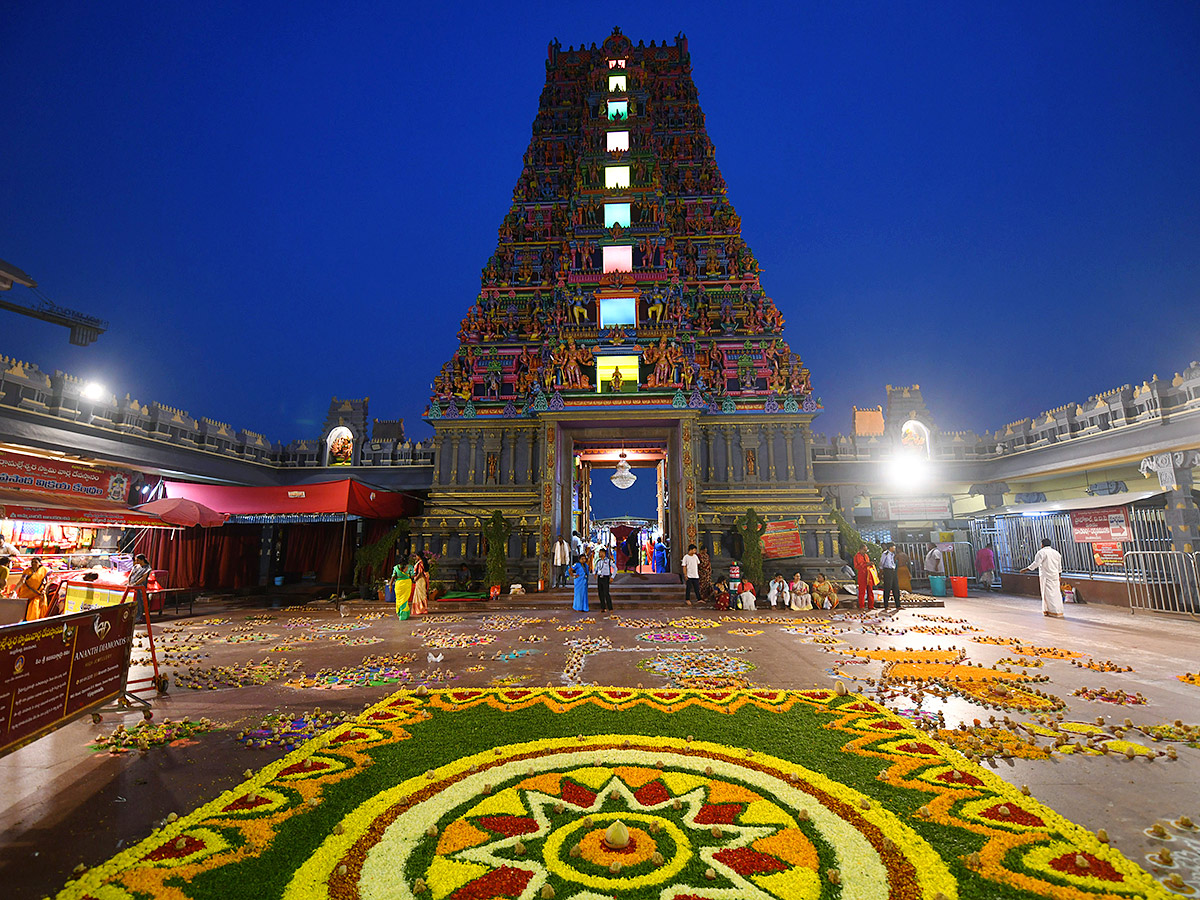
x=591, y=450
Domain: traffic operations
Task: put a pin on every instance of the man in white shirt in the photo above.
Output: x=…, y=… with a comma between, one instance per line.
x=933, y=560
x=576, y=544
x=891, y=579
x=604, y=573
x=1048, y=562
x=691, y=572
x=562, y=559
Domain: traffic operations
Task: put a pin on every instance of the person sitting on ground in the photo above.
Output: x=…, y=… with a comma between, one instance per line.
x=778, y=593
x=801, y=599
x=462, y=579
x=746, y=598
x=721, y=589
x=824, y=593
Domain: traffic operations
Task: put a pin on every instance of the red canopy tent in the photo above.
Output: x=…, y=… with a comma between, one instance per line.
x=346, y=497
x=312, y=546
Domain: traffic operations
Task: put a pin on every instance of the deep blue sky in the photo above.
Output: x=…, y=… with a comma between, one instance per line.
x=280, y=203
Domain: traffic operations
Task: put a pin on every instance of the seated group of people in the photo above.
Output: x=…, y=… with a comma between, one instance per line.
x=796, y=594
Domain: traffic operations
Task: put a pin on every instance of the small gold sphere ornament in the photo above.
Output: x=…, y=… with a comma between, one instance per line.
x=547, y=892
x=616, y=835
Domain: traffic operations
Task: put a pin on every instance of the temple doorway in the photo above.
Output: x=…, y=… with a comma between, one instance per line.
x=622, y=501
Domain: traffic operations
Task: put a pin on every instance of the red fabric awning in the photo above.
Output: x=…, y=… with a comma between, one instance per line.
x=31, y=506
x=346, y=496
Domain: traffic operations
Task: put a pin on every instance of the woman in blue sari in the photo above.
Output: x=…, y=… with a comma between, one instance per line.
x=660, y=556
x=579, y=571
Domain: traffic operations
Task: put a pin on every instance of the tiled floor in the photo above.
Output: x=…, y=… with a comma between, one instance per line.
x=63, y=804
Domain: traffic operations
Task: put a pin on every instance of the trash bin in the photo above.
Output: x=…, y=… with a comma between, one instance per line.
x=937, y=585
x=958, y=584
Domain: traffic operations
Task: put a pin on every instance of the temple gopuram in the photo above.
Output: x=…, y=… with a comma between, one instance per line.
x=621, y=319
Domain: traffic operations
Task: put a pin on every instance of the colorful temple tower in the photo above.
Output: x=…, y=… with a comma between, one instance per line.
x=621, y=317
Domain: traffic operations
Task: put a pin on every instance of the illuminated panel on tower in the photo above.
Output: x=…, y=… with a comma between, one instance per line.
x=616, y=177
x=616, y=214
x=618, y=259
x=618, y=140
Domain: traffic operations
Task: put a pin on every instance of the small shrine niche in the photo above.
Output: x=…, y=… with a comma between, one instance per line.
x=339, y=447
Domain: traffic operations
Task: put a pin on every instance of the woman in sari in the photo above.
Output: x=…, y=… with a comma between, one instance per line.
x=801, y=598
x=579, y=571
x=32, y=589
x=420, y=582
x=706, y=586
x=824, y=593
x=402, y=584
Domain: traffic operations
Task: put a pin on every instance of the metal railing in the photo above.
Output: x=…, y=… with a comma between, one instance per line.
x=1018, y=538
x=1163, y=581
x=958, y=560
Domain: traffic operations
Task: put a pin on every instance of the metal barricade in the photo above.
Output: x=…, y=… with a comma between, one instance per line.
x=1163, y=581
x=958, y=560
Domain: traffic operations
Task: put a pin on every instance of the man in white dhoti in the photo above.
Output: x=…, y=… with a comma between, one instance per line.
x=1048, y=562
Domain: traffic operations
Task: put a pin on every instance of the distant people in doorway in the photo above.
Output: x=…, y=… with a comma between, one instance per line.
x=985, y=566
x=890, y=577
x=604, y=573
x=691, y=574
x=562, y=561
x=579, y=572
x=633, y=552
x=1048, y=563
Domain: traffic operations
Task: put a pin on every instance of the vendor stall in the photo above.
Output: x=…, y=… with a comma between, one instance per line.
x=71, y=517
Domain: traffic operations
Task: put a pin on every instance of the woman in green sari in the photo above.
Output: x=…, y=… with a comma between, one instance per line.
x=402, y=584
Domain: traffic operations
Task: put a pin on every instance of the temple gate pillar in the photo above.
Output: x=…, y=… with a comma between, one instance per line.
x=1174, y=471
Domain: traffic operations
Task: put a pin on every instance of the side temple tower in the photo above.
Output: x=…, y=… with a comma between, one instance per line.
x=621, y=314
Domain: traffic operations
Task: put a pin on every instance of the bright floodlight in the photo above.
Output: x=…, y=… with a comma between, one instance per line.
x=93, y=390
x=908, y=472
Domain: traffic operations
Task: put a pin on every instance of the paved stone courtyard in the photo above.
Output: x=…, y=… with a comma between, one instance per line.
x=69, y=801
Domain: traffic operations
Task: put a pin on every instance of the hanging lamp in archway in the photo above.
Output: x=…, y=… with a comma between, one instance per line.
x=623, y=477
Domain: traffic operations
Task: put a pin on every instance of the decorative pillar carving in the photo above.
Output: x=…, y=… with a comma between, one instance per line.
x=749, y=442
x=769, y=430
x=473, y=446
x=727, y=433
x=453, y=441
x=1174, y=471
x=789, y=436
x=711, y=464
x=806, y=440
x=511, y=438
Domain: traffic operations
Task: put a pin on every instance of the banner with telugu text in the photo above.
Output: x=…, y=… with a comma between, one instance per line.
x=782, y=539
x=52, y=670
x=60, y=478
